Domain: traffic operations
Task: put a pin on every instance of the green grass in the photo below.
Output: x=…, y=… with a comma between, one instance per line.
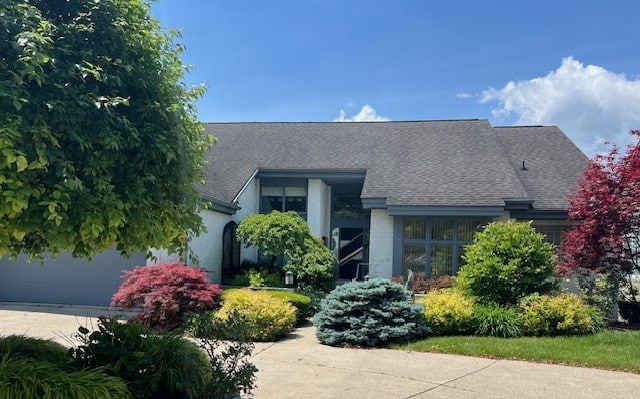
x=610, y=349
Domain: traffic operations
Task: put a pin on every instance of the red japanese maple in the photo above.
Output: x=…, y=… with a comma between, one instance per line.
x=606, y=208
x=166, y=293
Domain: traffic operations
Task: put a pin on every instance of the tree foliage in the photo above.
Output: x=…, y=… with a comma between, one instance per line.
x=606, y=236
x=286, y=234
x=99, y=140
x=507, y=261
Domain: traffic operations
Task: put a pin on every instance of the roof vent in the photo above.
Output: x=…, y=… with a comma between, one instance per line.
x=524, y=167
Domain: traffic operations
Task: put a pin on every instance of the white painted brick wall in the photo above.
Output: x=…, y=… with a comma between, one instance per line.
x=207, y=247
x=249, y=202
x=318, y=207
x=381, y=244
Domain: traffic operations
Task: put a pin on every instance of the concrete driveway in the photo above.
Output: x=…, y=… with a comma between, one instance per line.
x=299, y=367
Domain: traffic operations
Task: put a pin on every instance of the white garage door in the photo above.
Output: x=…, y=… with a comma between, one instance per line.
x=65, y=280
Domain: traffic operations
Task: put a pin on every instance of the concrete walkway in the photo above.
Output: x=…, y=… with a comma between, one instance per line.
x=299, y=367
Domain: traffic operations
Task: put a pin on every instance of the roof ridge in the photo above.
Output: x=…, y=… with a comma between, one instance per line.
x=358, y=122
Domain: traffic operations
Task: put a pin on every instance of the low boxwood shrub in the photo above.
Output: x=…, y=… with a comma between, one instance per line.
x=25, y=378
x=497, y=321
x=564, y=314
x=448, y=311
x=272, y=318
x=302, y=303
x=153, y=365
x=166, y=293
x=372, y=313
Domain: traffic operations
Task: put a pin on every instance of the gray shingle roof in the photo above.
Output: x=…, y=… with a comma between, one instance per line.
x=417, y=163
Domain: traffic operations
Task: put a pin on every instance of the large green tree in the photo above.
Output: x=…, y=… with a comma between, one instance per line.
x=99, y=140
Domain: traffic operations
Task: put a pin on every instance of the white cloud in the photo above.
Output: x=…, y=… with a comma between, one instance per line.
x=366, y=114
x=590, y=104
x=464, y=95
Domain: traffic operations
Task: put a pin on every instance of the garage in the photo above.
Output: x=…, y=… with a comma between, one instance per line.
x=65, y=280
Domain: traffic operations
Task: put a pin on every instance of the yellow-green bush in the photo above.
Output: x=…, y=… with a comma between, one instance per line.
x=271, y=317
x=448, y=311
x=564, y=314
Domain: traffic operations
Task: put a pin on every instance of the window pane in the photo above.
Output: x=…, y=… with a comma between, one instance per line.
x=441, y=260
x=296, y=204
x=348, y=206
x=415, y=228
x=414, y=258
x=295, y=192
x=442, y=229
x=468, y=228
x=271, y=204
x=272, y=191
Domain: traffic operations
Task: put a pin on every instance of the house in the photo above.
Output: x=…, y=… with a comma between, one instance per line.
x=385, y=196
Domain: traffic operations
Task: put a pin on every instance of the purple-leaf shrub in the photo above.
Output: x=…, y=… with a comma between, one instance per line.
x=166, y=293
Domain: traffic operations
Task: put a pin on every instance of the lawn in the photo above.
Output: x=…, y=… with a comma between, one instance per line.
x=610, y=349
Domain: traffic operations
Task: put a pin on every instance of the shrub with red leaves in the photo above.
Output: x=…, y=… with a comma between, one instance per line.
x=166, y=293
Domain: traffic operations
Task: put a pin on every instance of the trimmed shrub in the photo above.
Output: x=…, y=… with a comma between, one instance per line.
x=28, y=378
x=153, y=365
x=302, y=303
x=272, y=318
x=286, y=234
x=377, y=312
x=166, y=293
x=564, y=314
x=497, y=321
x=229, y=349
x=441, y=282
x=34, y=348
x=506, y=262
x=447, y=311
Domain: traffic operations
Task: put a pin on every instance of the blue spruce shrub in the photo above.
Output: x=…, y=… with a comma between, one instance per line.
x=377, y=312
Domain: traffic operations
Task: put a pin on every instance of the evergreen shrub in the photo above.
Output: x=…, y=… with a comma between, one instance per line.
x=564, y=314
x=447, y=311
x=497, y=321
x=272, y=318
x=302, y=303
x=377, y=312
x=507, y=261
x=166, y=293
x=154, y=365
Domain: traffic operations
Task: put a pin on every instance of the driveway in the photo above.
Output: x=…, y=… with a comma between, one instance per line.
x=300, y=368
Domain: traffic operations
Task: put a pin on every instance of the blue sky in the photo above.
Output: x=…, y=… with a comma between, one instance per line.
x=575, y=64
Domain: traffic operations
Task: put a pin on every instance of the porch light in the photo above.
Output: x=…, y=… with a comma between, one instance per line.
x=288, y=278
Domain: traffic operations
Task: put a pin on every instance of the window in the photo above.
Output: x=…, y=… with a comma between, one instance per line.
x=284, y=199
x=435, y=246
x=553, y=232
x=348, y=206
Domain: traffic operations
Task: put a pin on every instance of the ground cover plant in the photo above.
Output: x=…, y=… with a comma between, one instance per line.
x=166, y=293
x=609, y=349
x=371, y=313
x=39, y=368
